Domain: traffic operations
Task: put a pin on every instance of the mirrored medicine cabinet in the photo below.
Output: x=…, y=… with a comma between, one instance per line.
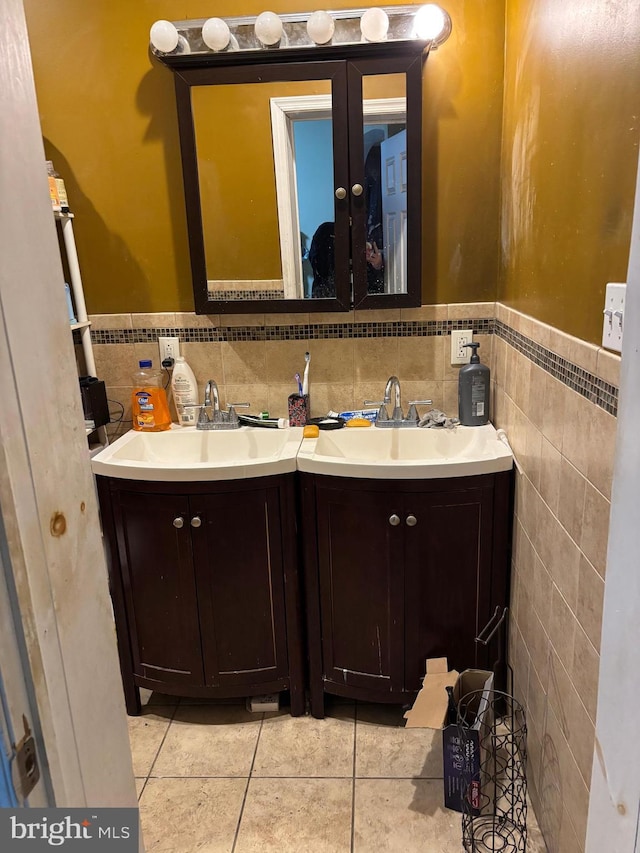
x=302, y=176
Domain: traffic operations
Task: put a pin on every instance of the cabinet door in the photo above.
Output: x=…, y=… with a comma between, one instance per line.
x=448, y=553
x=239, y=569
x=385, y=162
x=361, y=588
x=243, y=186
x=160, y=593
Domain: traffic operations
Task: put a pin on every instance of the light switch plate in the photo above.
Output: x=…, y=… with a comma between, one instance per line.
x=613, y=321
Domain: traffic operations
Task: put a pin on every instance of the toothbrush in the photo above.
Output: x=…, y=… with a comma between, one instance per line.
x=305, y=378
x=297, y=378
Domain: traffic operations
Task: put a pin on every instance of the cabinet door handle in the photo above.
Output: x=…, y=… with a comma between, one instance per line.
x=394, y=520
x=411, y=521
x=178, y=522
x=341, y=193
x=196, y=521
x=357, y=189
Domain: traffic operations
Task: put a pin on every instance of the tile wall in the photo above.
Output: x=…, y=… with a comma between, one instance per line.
x=557, y=405
x=556, y=397
x=253, y=358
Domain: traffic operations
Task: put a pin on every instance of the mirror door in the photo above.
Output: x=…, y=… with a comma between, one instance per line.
x=242, y=183
x=385, y=160
x=303, y=184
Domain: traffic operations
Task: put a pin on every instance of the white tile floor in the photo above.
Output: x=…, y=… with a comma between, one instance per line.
x=214, y=778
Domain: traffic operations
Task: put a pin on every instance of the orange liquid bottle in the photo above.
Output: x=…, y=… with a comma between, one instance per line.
x=149, y=407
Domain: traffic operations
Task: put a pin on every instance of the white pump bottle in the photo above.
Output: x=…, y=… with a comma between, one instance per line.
x=185, y=392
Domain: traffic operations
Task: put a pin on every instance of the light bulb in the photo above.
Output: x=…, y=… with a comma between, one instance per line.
x=321, y=27
x=164, y=36
x=268, y=28
x=374, y=24
x=215, y=33
x=430, y=22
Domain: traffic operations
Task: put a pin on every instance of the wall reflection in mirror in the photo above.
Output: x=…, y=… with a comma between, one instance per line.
x=265, y=160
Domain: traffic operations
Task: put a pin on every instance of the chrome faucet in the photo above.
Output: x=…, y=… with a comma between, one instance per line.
x=397, y=418
x=218, y=419
x=209, y=387
x=393, y=383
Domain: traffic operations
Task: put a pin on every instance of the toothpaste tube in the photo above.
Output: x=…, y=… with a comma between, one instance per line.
x=367, y=414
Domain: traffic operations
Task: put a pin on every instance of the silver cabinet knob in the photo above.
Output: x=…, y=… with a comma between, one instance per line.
x=411, y=521
x=394, y=520
x=196, y=521
x=178, y=522
x=341, y=193
x=357, y=189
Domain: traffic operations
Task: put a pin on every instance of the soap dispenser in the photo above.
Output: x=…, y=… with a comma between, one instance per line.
x=474, y=389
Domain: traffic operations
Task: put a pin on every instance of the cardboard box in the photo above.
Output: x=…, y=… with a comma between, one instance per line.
x=464, y=754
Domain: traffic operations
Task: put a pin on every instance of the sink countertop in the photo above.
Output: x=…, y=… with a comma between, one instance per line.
x=189, y=454
x=406, y=454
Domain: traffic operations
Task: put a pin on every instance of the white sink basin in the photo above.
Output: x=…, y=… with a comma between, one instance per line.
x=185, y=453
x=405, y=453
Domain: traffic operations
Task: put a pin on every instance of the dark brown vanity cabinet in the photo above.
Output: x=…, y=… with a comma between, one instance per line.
x=205, y=587
x=398, y=572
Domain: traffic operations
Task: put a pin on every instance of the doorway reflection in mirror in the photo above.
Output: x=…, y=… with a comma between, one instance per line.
x=322, y=260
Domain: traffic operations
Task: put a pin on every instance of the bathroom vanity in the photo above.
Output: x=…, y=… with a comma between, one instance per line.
x=404, y=535
x=406, y=553
x=203, y=573
x=398, y=571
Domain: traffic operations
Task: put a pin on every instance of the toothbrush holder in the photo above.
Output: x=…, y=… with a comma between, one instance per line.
x=299, y=409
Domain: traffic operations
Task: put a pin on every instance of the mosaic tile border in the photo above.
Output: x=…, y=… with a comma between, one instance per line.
x=586, y=384
x=594, y=389
x=239, y=295
x=304, y=331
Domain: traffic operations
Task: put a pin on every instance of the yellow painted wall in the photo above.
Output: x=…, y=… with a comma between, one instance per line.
x=237, y=176
x=109, y=122
x=570, y=152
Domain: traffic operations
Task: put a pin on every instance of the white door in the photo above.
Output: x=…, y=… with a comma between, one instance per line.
x=614, y=804
x=394, y=211
x=53, y=548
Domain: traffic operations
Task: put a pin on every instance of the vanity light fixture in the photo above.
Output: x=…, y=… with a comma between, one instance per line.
x=216, y=33
x=321, y=27
x=164, y=36
x=432, y=24
x=268, y=28
x=374, y=24
x=198, y=43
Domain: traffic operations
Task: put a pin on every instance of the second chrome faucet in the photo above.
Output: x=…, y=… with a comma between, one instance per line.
x=397, y=418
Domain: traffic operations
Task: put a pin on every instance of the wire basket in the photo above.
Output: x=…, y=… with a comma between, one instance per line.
x=493, y=731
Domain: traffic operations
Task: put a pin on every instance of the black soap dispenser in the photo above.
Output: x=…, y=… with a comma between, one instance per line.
x=474, y=389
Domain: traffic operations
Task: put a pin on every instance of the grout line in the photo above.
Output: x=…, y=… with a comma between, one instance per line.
x=153, y=763
x=353, y=783
x=241, y=776
x=146, y=779
x=246, y=790
x=311, y=778
x=402, y=778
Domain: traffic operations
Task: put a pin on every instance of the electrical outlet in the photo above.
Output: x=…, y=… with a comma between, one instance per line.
x=169, y=348
x=459, y=353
